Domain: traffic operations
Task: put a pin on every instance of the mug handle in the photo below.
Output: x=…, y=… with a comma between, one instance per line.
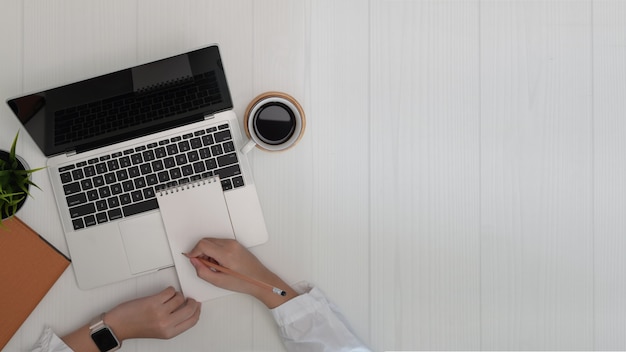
x=248, y=147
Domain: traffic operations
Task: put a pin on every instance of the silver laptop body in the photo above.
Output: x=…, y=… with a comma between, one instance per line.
x=113, y=141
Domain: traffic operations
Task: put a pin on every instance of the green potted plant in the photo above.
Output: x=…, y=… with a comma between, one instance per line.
x=15, y=181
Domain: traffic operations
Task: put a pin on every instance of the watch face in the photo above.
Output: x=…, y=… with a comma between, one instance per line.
x=104, y=339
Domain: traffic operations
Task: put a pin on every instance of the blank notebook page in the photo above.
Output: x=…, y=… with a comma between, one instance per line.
x=191, y=212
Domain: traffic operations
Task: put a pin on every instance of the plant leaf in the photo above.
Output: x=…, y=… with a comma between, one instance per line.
x=13, y=145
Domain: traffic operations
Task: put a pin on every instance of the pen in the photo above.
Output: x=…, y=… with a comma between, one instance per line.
x=225, y=270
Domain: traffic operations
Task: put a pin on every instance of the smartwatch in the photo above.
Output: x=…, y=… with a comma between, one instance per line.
x=103, y=336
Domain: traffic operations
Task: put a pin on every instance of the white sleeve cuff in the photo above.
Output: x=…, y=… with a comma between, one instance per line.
x=50, y=342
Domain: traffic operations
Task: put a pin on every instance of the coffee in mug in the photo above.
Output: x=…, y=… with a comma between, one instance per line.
x=274, y=121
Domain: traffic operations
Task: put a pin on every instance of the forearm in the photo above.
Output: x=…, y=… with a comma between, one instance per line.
x=269, y=298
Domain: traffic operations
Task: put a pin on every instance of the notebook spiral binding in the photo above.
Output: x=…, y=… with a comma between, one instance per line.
x=190, y=185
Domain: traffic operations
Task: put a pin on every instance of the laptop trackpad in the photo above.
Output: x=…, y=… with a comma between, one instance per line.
x=146, y=243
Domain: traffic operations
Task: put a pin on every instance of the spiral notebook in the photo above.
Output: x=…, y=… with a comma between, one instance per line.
x=191, y=212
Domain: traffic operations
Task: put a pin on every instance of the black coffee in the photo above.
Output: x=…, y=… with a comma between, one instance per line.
x=274, y=123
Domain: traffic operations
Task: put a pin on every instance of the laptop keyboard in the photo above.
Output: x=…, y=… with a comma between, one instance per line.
x=125, y=183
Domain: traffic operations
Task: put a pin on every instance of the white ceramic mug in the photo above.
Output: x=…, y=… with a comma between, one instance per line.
x=274, y=121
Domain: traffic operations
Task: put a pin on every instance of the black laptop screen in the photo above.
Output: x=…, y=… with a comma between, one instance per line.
x=126, y=104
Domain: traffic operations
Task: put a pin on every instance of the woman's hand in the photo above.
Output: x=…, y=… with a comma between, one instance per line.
x=163, y=316
x=232, y=255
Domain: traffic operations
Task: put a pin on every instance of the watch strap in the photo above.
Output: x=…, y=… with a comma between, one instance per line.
x=98, y=324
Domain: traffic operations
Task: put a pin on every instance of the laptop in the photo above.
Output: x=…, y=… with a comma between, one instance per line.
x=115, y=140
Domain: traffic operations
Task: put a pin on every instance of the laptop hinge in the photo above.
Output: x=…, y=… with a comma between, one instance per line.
x=208, y=117
x=70, y=153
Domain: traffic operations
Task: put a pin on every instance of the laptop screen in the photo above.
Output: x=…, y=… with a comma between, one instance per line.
x=126, y=104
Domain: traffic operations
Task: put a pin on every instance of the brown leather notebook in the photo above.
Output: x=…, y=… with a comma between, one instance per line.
x=29, y=266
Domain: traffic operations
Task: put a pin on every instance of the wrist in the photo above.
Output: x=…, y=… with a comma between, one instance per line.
x=271, y=299
x=117, y=324
x=103, y=335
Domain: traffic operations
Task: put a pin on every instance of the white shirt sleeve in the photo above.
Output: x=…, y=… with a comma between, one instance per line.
x=310, y=322
x=50, y=342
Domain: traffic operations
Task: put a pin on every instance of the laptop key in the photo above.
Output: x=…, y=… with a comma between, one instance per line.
x=189, y=170
x=208, y=140
x=196, y=143
x=78, y=174
x=237, y=181
x=226, y=185
x=90, y=220
x=229, y=171
x=193, y=156
x=113, y=165
x=140, y=207
x=116, y=188
x=157, y=165
x=98, y=181
x=82, y=210
x=101, y=168
x=211, y=164
x=222, y=136
x=169, y=162
x=172, y=149
x=86, y=184
x=93, y=195
x=175, y=173
x=136, y=196
x=205, y=153
x=128, y=186
x=114, y=214
x=227, y=159
x=76, y=199
x=125, y=162
x=122, y=175
x=78, y=224
x=228, y=147
x=136, y=159
x=181, y=159
x=198, y=167
x=152, y=179
x=102, y=217
x=134, y=172
x=217, y=150
x=71, y=188
x=164, y=176
x=140, y=183
x=66, y=168
x=148, y=193
x=66, y=177
x=104, y=191
x=184, y=146
x=110, y=178
x=125, y=199
x=160, y=152
x=148, y=155
x=101, y=205
x=113, y=202
x=90, y=171
x=145, y=169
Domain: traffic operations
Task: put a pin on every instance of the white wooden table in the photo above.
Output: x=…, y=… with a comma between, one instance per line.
x=461, y=183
